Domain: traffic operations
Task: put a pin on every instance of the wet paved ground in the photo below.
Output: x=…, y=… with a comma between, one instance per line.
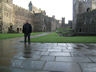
x=46, y=57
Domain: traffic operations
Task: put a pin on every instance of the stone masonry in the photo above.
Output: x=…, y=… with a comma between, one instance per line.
x=82, y=6
x=86, y=23
x=12, y=18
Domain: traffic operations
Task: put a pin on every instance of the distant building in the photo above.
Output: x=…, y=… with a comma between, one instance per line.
x=63, y=22
x=70, y=24
x=64, y=25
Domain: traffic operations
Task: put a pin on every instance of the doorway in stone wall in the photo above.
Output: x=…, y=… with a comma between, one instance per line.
x=18, y=30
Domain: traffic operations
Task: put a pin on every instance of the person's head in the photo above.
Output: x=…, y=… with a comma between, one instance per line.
x=27, y=21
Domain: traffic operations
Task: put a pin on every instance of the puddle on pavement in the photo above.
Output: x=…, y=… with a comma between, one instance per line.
x=8, y=53
x=27, y=51
x=5, y=55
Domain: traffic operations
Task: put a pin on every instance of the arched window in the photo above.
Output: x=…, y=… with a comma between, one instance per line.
x=80, y=30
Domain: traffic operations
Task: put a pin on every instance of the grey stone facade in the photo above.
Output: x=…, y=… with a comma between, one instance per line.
x=86, y=23
x=82, y=6
x=43, y=23
x=6, y=15
x=38, y=22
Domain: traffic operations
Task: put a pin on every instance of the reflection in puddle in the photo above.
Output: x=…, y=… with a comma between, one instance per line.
x=27, y=51
x=5, y=52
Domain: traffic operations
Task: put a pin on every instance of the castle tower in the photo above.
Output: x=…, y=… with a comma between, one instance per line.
x=6, y=19
x=75, y=12
x=79, y=6
x=30, y=6
x=63, y=22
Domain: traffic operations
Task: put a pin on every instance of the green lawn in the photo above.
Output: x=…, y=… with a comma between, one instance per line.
x=7, y=36
x=54, y=38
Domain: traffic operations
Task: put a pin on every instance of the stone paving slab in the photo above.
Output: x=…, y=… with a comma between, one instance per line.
x=88, y=67
x=77, y=54
x=21, y=70
x=47, y=58
x=4, y=69
x=62, y=66
x=59, y=54
x=17, y=63
x=33, y=65
x=11, y=69
x=54, y=50
x=93, y=58
x=45, y=53
x=73, y=59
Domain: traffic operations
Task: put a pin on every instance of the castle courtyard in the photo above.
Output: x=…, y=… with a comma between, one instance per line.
x=15, y=56
x=61, y=40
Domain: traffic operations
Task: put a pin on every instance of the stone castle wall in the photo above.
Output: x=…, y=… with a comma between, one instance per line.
x=82, y=6
x=21, y=15
x=7, y=16
x=0, y=17
x=86, y=22
x=38, y=22
x=12, y=18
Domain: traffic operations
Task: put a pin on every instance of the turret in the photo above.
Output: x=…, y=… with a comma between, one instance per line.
x=30, y=6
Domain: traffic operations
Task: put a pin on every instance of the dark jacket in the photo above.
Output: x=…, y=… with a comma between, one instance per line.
x=27, y=28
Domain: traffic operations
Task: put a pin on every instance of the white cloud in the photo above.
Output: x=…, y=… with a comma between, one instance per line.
x=59, y=8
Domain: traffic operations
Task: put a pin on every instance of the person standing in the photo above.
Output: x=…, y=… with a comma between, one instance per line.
x=27, y=29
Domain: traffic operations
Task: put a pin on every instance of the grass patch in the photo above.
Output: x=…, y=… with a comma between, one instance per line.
x=55, y=38
x=7, y=36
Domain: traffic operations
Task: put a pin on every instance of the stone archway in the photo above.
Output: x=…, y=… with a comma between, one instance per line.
x=10, y=28
x=18, y=30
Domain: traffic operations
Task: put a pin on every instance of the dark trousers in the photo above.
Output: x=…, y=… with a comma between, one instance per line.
x=27, y=36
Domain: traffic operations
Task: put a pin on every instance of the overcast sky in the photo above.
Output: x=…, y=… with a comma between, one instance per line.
x=59, y=8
